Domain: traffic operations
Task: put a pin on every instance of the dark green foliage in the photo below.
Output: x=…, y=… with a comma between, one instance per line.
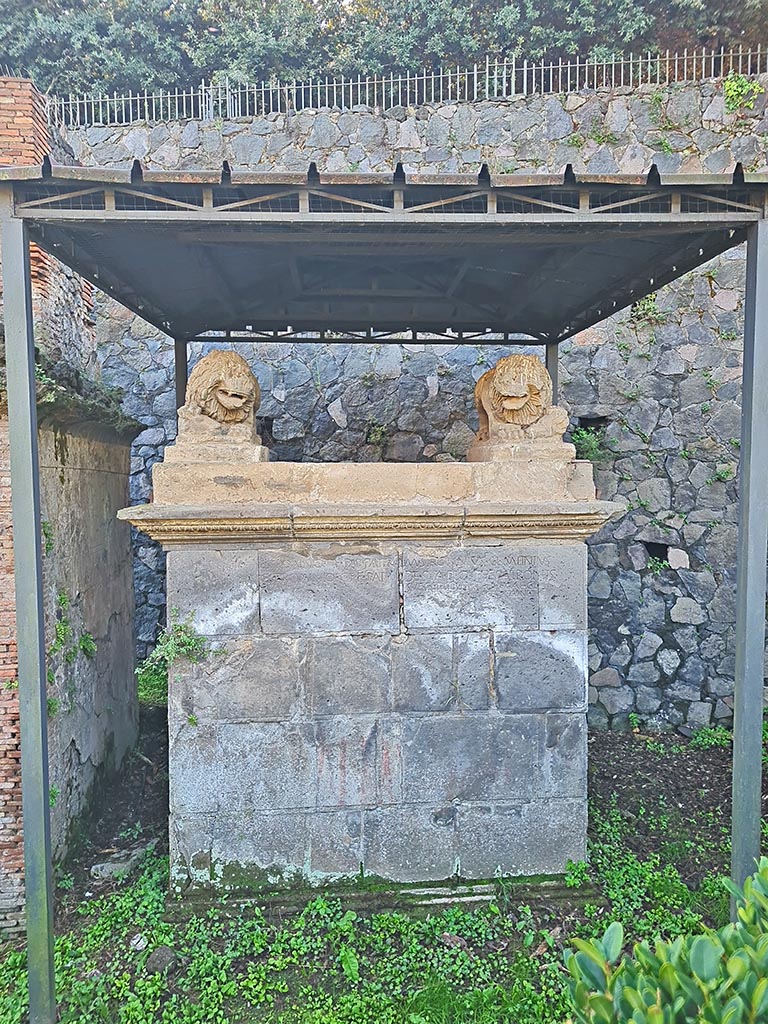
x=590, y=444
x=713, y=977
x=149, y=44
x=179, y=640
x=92, y=44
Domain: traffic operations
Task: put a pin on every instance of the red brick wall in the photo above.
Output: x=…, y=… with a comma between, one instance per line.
x=11, y=853
x=24, y=139
x=24, y=135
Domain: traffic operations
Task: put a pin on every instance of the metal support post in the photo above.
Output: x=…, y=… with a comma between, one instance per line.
x=552, y=359
x=751, y=565
x=181, y=368
x=30, y=625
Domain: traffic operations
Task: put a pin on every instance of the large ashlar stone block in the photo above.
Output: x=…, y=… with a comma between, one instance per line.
x=348, y=675
x=441, y=671
x=328, y=590
x=460, y=588
x=245, y=679
x=539, y=671
x=269, y=766
x=562, y=576
x=413, y=842
x=540, y=586
x=219, y=587
x=539, y=837
x=448, y=759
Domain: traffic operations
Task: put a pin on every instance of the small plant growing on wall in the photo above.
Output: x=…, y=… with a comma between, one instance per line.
x=178, y=640
x=377, y=434
x=645, y=311
x=590, y=444
x=740, y=92
x=657, y=565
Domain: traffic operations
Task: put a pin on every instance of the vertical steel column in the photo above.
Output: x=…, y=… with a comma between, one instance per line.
x=181, y=369
x=552, y=360
x=30, y=626
x=751, y=564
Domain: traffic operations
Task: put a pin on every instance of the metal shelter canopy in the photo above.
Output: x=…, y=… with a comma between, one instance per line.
x=544, y=256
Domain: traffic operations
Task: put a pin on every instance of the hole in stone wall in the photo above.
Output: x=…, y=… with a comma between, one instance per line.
x=592, y=422
x=264, y=429
x=659, y=551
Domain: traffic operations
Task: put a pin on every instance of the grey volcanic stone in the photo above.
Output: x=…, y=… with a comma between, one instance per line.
x=444, y=760
x=538, y=671
x=218, y=587
x=451, y=588
x=649, y=644
x=644, y=672
x=348, y=675
x=250, y=679
x=415, y=842
x=309, y=593
x=564, y=767
x=685, y=609
x=512, y=838
x=432, y=672
x=699, y=714
x=617, y=700
x=606, y=677
x=668, y=661
x=287, y=756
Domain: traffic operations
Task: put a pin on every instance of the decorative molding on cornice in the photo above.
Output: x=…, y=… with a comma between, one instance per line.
x=568, y=521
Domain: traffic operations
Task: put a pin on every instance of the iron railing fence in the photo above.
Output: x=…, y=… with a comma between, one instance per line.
x=493, y=79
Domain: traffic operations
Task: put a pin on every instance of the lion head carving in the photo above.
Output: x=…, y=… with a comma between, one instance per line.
x=222, y=386
x=518, y=391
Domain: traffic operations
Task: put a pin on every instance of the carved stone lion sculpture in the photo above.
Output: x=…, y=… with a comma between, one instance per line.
x=517, y=390
x=222, y=386
x=517, y=418
x=216, y=422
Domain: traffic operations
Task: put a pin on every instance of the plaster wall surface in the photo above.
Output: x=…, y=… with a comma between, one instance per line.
x=416, y=709
x=663, y=379
x=88, y=602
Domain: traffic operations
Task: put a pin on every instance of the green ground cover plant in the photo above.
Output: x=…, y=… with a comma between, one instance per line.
x=504, y=963
x=590, y=444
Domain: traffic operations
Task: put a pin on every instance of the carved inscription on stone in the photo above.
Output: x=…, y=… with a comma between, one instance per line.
x=346, y=593
x=467, y=587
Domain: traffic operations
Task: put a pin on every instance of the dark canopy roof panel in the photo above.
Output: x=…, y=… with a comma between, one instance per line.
x=543, y=256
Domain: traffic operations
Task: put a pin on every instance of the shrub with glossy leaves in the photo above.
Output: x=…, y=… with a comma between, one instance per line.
x=715, y=977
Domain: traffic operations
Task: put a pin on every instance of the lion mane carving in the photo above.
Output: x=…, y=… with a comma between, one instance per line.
x=222, y=386
x=518, y=390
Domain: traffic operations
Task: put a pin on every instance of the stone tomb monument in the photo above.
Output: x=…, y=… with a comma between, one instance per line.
x=400, y=677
